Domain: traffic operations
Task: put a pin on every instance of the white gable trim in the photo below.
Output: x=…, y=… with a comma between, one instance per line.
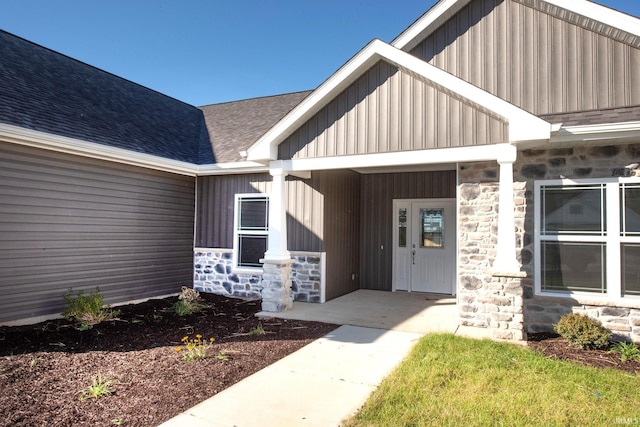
x=445, y=9
x=603, y=14
x=428, y=23
x=523, y=126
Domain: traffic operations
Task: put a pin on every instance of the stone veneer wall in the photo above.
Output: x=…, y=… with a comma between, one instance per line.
x=508, y=305
x=573, y=163
x=486, y=300
x=214, y=273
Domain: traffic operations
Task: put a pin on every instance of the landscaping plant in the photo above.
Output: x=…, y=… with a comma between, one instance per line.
x=87, y=310
x=195, y=348
x=582, y=331
x=99, y=387
x=189, y=302
x=627, y=350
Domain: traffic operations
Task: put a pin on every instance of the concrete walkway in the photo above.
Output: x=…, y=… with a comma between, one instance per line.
x=319, y=385
x=328, y=380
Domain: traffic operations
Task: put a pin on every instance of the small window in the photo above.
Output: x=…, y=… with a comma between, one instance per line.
x=252, y=227
x=431, y=228
x=402, y=227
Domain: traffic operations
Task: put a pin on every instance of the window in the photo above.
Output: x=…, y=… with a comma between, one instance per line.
x=588, y=237
x=251, y=229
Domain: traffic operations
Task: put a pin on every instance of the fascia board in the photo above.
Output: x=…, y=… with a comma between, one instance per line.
x=428, y=23
x=606, y=131
x=495, y=152
x=232, y=168
x=47, y=141
x=599, y=13
x=523, y=126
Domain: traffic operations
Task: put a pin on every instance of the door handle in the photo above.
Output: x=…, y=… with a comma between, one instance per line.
x=413, y=257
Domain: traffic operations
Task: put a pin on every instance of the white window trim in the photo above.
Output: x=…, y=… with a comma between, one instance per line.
x=612, y=240
x=236, y=217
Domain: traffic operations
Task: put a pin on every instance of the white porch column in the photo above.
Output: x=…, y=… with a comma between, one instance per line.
x=277, y=242
x=276, y=276
x=506, y=261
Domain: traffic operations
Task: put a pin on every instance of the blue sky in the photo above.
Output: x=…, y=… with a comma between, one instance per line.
x=209, y=51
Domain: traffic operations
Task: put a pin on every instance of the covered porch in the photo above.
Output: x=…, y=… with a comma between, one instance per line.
x=398, y=311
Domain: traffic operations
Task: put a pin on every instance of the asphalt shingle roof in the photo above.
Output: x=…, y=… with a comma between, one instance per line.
x=595, y=117
x=45, y=91
x=235, y=126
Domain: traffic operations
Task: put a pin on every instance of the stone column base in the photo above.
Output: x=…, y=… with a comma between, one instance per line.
x=276, y=286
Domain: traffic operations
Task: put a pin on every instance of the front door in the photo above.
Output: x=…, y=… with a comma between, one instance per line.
x=424, y=246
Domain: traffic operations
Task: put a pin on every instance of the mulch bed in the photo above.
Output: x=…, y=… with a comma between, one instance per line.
x=556, y=347
x=43, y=366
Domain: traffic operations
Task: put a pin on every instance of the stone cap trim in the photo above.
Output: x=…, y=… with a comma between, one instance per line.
x=498, y=273
x=588, y=301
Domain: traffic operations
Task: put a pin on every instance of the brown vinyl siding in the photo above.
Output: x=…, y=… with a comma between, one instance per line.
x=72, y=222
x=341, y=191
x=376, y=226
x=215, y=206
x=536, y=60
x=390, y=110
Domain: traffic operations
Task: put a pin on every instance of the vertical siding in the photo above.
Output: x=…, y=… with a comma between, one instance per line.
x=388, y=110
x=341, y=190
x=215, y=208
x=71, y=222
x=535, y=60
x=377, y=194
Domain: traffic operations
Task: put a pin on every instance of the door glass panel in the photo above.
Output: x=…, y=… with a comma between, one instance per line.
x=431, y=228
x=402, y=227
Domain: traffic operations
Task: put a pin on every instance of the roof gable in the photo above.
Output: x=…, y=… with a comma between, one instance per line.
x=582, y=12
x=522, y=125
x=45, y=91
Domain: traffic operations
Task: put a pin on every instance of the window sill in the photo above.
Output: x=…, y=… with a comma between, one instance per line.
x=247, y=270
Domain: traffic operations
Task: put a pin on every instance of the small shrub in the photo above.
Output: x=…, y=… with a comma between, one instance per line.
x=189, y=302
x=99, y=387
x=627, y=350
x=195, y=348
x=258, y=330
x=87, y=310
x=582, y=331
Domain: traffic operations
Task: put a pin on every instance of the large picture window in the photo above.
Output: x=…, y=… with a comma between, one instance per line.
x=588, y=237
x=251, y=229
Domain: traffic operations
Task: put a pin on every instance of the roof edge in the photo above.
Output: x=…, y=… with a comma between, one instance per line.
x=51, y=142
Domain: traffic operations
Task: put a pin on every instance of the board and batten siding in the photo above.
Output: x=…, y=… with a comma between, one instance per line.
x=527, y=55
x=390, y=110
x=377, y=222
x=74, y=222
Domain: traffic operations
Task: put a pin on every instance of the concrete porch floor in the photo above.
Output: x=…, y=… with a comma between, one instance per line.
x=397, y=311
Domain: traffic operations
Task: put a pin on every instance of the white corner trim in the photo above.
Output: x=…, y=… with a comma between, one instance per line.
x=603, y=14
x=47, y=141
x=523, y=126
x=597, y=132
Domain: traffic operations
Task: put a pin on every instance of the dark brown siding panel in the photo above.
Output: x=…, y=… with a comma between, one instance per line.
x=71, y=222
x=390, y=110
x=341, y=243
x=526, y=55
x=215, y=210
x=305, y=203
x=378, y=192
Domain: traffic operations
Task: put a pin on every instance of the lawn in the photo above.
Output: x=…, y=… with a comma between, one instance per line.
x=451, y=380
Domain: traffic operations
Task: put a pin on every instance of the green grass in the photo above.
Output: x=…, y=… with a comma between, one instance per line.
x=449, y=380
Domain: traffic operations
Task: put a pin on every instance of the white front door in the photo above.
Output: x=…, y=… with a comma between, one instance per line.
x=424, y=258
